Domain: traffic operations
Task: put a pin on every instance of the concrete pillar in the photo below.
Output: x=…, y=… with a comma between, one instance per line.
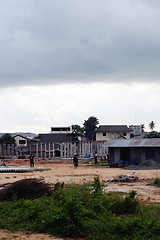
x=53, y=153
x=61, y=150
x=74, y=149
x=83, y=150
x=37, y=151
x=45, y=150
x=64, y=147
x=70, y=150
x=49, y=151
x=41, y=151
x=12, y=150
x=80, y=150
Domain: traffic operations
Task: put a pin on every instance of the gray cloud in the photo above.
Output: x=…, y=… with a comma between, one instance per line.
x=57, y=41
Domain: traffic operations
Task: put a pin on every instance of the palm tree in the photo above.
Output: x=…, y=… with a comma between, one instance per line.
x=152, y=125
x=142, y=127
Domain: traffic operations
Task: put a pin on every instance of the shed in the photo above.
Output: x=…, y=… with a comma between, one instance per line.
x=133, y=151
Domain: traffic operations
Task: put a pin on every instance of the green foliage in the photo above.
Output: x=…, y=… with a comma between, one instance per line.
x=76, y=211
x=77, y=131
x=36, y=139
x=7, y=139
x=157, y=182
x=96, y=186
x=124, y=205
x=152, y=134
x=90, y=126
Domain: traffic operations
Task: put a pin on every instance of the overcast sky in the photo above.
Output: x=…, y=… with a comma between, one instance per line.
x=64, y=61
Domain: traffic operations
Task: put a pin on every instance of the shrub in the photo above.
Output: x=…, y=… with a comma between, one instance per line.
x=157, y=182
x=78, y=211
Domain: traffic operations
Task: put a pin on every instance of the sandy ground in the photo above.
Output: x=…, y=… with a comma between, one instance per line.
x=65, y=172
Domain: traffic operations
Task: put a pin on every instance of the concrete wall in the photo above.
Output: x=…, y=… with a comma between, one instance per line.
x=111, y=135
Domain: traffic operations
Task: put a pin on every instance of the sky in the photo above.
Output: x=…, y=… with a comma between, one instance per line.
x=64, y=61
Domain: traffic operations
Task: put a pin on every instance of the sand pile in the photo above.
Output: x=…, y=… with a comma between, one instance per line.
x=146, y=165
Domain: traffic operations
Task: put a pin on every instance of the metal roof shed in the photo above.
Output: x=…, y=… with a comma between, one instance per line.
x=133, y=151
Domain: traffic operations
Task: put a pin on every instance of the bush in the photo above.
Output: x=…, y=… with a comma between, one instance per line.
x=157, y=182
x=83, y=211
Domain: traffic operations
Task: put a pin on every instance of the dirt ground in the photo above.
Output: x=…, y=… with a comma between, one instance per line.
x=65, y=172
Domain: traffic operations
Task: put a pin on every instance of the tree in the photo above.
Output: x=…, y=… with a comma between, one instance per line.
x=7, y=139
x=90, y=126
x=152, y=125
x=142, y=127
x=77, y=131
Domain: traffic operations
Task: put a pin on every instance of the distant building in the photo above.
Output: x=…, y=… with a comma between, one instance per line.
x=57, y=134
x=61, y=130
x=137, y=130
x=21, y=140
x=108, y=132
x=28, y=135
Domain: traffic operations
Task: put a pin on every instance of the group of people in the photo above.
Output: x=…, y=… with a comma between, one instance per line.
x=75, y=159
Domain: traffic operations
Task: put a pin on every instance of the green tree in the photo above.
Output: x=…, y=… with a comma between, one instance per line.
x=7, y=139
x=90, y=126
x=36, y=139
x=77, y=131
x=152, y=125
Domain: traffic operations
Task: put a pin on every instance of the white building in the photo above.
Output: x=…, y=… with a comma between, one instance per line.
x=137, y=130
x=21, y=140
x=109, y=132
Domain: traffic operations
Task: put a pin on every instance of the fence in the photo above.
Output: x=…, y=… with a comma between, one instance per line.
x=53, y=150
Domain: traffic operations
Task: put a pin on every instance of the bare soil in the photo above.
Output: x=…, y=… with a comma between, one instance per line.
x=63, y=171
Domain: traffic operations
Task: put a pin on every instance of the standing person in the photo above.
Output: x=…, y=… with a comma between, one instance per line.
x=95, y=158
x=108, y=157
x=31, y=157
x=75, y=161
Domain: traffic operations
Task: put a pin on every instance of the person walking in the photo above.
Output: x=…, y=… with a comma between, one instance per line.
x=75, y=161
x=31, y=157
x=95, y=158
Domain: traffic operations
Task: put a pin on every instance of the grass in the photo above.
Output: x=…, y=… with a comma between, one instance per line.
x=83, y=211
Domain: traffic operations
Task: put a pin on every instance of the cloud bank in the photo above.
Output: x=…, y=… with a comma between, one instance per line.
x=58, y=41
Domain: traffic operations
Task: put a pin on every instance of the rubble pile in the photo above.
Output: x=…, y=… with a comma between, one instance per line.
x=146, y=165
x=124, y=178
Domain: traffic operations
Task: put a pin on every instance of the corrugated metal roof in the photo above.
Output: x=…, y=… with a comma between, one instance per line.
x=154, y=142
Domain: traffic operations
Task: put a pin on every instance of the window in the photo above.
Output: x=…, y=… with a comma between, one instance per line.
x=124, y=134
x=22, y=141
x=104, y=134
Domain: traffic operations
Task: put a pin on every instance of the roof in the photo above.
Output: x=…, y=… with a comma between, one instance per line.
x=18, y=135
x=154, y=142
x=55, y=137
x=141, y=136
x=113, y=128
